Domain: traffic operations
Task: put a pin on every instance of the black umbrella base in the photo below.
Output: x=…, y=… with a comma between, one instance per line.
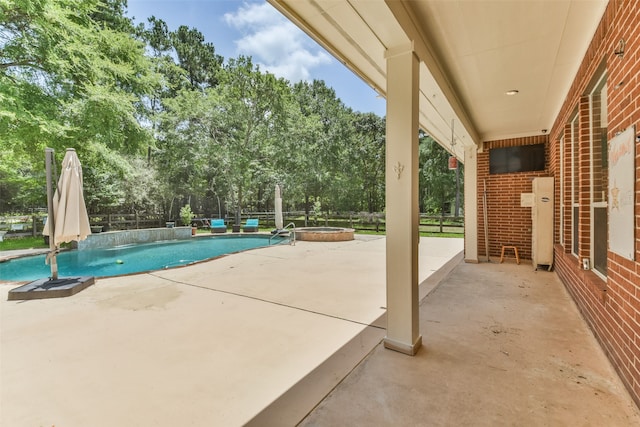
x=46, y=288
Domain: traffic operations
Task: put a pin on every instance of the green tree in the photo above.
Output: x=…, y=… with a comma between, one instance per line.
x=171, y=76
x=189, y=157
x=252, y=107
x=196, y=57
x=21, y=186
x=178, y=113
x=221, y=142
x=437, y=183
x=159, y=122
x=71, y=75
x=322, y=145
x=366, y=161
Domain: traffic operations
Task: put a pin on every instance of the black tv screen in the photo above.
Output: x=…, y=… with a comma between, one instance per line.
x=523, y=158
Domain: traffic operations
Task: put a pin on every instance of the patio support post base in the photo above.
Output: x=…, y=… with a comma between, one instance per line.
x=410, y=349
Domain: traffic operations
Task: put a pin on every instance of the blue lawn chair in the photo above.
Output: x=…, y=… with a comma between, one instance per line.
x=251, y=225
x=217, y=226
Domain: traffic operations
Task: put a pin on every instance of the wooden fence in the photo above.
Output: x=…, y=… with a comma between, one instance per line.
x=32, y=225
x=375, y=222
x=21, y=225
x=370, y=222
x=125, y=221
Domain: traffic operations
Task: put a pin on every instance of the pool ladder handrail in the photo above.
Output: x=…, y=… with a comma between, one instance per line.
x=292, y=241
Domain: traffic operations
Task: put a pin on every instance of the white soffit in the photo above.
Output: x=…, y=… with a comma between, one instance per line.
x=343, y=29
x=489, y=47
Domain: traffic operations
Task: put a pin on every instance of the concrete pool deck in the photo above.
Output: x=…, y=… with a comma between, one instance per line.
x=261, y=337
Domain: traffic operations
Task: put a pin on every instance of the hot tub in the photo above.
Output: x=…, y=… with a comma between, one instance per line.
x=324, y=234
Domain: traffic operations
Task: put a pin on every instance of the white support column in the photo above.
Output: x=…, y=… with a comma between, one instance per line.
x=402, y=215
x=471, y=204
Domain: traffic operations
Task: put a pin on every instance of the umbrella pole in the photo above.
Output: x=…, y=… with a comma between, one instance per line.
x=51, y=223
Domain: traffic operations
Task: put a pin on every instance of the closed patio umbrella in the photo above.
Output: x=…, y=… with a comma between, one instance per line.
x=68, y=219
x=278, y=206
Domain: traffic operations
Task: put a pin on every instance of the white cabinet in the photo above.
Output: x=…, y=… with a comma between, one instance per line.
x=542, y=222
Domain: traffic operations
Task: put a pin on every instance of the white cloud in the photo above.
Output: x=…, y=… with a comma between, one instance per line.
x=275, y=44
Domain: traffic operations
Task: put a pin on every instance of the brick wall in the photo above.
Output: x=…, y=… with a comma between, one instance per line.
x=611, y=304
x=508, y=222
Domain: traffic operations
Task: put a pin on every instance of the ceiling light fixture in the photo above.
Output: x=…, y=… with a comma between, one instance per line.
x=512, y=92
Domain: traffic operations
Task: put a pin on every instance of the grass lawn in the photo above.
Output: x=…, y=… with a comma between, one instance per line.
x=22, y=243
x=429, y=234
x=422, y=233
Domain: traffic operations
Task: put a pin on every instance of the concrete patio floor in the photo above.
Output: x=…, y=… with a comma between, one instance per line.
x=503, y=345
x=261, y=337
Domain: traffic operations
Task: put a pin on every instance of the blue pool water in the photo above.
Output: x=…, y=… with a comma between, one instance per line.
x=130, y=258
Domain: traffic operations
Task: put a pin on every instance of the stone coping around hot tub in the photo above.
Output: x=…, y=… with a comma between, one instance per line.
x=111, y=239
x=324, y=234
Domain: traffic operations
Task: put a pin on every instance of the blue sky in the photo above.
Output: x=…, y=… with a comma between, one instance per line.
x=254, y=28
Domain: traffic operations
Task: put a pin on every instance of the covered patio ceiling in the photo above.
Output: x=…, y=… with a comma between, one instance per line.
x=472, y=53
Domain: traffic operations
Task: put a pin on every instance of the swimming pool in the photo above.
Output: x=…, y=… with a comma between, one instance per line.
x=130, y=259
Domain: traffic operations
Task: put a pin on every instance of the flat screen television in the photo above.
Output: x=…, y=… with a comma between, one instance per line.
x=523, y=158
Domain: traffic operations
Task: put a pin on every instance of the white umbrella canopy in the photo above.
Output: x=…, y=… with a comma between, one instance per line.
x=68, y=212
x=278, y=206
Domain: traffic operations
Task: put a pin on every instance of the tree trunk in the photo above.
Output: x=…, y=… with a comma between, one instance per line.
x=239, y=206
